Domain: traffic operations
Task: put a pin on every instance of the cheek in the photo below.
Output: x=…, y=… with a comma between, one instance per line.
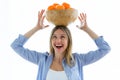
x=52, y=43
x=66, y=43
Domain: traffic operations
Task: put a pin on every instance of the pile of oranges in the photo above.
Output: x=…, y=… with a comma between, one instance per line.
x=56, y=6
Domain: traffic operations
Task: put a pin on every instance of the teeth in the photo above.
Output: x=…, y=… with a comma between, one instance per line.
x=58, y=45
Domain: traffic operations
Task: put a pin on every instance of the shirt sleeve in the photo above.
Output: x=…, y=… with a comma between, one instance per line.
x=30, y=55
x=92, y=56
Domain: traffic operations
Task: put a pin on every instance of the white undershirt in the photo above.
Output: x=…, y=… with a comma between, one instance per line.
x=56, y=75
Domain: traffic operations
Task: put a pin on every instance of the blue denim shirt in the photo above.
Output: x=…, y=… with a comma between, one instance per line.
x=44, y=60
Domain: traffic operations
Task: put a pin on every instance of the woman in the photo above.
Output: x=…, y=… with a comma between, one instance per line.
x=60, y=63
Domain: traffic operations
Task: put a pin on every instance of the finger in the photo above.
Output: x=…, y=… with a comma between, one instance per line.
x=42, y=20
x=41, y=13
x=85, y=17
x=38, y=15
x=81, y=16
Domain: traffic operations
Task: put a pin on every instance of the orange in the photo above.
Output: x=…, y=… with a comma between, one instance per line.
x=66, y=5
x=55, y=4
x=60, y=7
x=51, y=7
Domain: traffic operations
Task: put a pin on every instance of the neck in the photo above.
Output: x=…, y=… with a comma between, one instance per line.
x=58, y=58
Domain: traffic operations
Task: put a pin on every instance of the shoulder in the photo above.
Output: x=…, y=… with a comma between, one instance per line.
x=77, y=55
x=45, y=54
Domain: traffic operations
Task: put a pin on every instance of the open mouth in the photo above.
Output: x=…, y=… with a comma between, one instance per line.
x=59, y=46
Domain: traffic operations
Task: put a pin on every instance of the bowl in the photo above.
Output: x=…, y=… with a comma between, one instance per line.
x=61, y=17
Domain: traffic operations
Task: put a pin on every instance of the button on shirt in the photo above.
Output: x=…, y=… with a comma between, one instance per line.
x=44, y=60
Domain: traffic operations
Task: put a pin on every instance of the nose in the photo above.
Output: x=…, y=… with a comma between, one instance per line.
x=58, y=40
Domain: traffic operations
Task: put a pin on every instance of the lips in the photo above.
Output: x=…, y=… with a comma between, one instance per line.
x=58, y=46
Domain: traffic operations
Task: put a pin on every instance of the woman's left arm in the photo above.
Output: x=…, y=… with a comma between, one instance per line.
x=85, y=27
x=103, y=46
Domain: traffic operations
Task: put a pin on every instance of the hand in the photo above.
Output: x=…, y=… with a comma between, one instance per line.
x=41, y=18
x=83, y=21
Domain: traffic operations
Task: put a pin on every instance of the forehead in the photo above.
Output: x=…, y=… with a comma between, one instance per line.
x=59, y=31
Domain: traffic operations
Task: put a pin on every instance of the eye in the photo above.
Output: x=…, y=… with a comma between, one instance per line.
x=54, y=37
x=62, y=37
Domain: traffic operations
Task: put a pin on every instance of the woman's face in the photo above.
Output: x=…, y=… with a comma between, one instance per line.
x=59, y=41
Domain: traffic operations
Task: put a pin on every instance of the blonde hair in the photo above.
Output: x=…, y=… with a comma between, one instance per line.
x=68, y=53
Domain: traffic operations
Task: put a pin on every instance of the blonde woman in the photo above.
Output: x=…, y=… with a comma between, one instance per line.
x=60, y=63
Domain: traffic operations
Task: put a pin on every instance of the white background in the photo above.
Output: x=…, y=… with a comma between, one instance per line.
x=19, y=16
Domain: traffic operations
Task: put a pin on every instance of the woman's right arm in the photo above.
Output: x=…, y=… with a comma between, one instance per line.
x=39, y=25
x=18, y=43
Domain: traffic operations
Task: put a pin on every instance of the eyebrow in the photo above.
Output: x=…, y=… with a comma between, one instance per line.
x=59, y=34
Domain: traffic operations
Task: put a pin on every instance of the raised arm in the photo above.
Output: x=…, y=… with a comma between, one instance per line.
x=103, y=46
x=18, y=44
x=38, y=26
x=85, y=27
